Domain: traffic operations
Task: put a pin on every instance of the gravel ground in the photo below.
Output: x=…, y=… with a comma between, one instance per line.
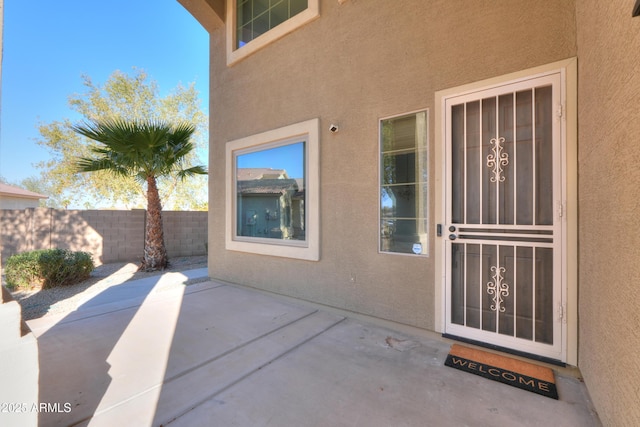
x=38, y=303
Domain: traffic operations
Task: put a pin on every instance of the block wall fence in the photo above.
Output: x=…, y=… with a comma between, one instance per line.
x=109, y=235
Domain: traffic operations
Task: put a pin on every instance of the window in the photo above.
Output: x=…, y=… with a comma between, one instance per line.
x=252, y=24
x=403, y=184
x=272, y=192
x=256, y=17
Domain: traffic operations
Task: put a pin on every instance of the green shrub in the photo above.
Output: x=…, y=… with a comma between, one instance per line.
x=47, y=268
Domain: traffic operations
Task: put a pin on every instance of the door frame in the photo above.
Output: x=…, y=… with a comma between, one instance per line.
x=569, y=269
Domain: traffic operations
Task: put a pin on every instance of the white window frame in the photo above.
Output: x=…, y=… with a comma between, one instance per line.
x=236, y=54
x=424, y=237
x=308, y=249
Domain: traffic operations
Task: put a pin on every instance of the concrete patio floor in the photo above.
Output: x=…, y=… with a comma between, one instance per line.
x=157, y=353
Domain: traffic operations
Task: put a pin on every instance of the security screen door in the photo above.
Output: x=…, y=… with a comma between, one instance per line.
x=503, y=234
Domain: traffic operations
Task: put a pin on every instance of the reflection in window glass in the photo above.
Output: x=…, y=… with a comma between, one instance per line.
x=272, y=202
x=403, y=186
x=270, y=191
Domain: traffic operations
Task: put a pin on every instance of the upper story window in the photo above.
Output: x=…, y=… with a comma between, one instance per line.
x=256, y=17
x=252, y=24
x=403, y=184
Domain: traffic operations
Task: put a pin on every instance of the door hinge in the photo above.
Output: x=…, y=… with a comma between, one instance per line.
x=562, y=310
x=560, y=209
x=559, y=111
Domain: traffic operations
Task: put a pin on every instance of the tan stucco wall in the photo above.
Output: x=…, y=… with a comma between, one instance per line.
x=362, y=60
x=609, y=200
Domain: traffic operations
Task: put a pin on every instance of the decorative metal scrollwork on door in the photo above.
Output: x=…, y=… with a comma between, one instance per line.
x=497, y=160
x=498, y=289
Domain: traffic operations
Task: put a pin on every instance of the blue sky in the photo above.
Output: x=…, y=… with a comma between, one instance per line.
x=49, y=45
x=289, y=157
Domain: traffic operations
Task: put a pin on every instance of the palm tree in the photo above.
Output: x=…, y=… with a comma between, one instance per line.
x=146, y=150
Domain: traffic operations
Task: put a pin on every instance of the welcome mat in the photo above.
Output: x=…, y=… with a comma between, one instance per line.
x=517, y=373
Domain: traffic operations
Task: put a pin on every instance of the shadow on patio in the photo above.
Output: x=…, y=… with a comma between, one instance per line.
x=216, y=354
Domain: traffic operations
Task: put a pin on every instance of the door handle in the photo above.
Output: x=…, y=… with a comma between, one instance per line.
x=453, y=236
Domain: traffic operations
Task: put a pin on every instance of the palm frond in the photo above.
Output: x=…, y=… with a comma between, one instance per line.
x=192, y=171
x=141, y=148
x=92, y=165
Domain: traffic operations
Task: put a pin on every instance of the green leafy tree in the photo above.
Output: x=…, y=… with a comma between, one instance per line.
x=132, y=98
x=144, y=150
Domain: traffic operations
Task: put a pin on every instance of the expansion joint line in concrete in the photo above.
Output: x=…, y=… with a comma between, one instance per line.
x=134, y=304
x=248, y=374
x=213, y=359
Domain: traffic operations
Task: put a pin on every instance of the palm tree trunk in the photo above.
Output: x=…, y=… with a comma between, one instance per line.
x=155, y=253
